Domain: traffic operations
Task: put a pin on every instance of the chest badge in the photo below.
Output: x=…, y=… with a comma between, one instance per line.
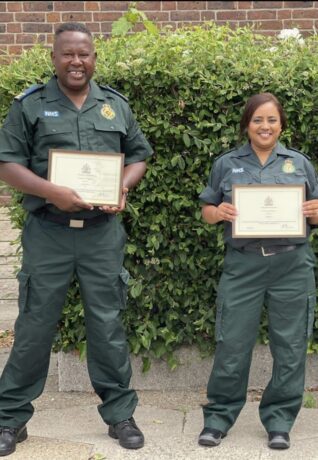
x=107, y=112
x=288, y=166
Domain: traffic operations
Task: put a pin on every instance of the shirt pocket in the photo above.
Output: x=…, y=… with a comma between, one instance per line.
x=291, y=178
x=108, y=137
x=235, y=179
x=54, y=134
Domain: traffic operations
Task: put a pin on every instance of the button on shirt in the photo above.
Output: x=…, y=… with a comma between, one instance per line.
x=242, y=166
x=47, y=119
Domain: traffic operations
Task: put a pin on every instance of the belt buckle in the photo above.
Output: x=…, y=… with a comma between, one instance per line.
x=266, y=254
x=76, y=223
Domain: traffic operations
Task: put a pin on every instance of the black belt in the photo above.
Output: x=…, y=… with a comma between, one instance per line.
x=269, y=250
x=73, y=223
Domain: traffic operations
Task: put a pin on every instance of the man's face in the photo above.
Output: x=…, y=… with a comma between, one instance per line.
x=74, y=59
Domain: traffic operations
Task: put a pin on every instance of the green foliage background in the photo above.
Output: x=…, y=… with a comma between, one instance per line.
x=187, y=90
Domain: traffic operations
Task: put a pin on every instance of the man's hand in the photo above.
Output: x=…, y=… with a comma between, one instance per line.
x=68, y=200
x=116, y=209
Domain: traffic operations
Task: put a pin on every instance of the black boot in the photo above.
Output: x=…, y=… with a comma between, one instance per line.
x=128, y=434
x=9, y=438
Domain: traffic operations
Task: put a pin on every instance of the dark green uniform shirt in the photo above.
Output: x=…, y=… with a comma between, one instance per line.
x=46, y=119
x=242, y=166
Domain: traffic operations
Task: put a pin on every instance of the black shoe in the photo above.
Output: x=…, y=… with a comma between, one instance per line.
x=128, y=434
x=278, y=440
x=210, y=437
x=9, y=438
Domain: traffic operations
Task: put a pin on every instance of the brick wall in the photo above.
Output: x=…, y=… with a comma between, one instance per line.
x=24, y=23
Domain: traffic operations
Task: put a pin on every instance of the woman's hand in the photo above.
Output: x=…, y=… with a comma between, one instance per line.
x=310, y=208
x=226, y=211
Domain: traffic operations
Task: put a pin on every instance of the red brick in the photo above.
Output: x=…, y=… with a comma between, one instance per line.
x=191, y=5
x=14, y=27
x=77, y=17
x=26, y=38
x=261, y=14
x=37, y=6
x=269, y=25
x=92, y=6
x=185, y=15
x=3, y=28
x=111, y=16
x=148, y=6
x=30, y=17
x=15, y=49
x=6, y=39
x=244, y=5
x=284, y=14
x=158, y=16
x=6, y=17
x=207, y=15
x=12, y=6
x=298, y=4
x=3, y=7
x=53, y=17
x=221, y=5
x=36, y=28
x=168, y=6
x=305, y=14
x=93, y=26
x=230, y=15
x=299, y=23
x=114, y=6
x=268, y=5
x=69, y=6
x=106, y=27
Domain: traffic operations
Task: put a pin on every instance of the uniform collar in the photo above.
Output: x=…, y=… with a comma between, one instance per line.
x=246, y=150
x=54, y=93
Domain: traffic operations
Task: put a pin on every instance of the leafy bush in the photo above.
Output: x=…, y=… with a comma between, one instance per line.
x=187, y=89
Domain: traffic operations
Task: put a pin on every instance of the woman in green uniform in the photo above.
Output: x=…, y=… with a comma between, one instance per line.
x=277, y=272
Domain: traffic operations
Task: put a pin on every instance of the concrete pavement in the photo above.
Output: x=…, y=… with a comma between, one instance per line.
x=67, y=426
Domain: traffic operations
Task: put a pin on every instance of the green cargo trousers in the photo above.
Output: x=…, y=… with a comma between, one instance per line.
x=285, y=284
x=52, y=255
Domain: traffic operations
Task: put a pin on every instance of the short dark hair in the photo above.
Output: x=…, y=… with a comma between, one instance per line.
x=253, y=104
x=72, y=27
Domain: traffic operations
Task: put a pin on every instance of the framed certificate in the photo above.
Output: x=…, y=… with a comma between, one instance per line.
x=96, y=176
x=269, y=211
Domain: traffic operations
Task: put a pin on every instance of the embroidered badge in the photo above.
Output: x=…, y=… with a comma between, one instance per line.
x=49, y=113
x=237, y=170
x=107, y=112
x=288, y=166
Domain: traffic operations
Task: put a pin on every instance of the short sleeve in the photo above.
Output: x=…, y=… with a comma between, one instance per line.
x=14, y=137
x=212, y=194
x=312, y=191
x=135, y=146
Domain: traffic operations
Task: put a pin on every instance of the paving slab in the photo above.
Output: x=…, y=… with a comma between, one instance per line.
x=66, y=421
x=37, y=448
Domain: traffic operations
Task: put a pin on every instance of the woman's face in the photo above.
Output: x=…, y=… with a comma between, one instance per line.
x=265, y=127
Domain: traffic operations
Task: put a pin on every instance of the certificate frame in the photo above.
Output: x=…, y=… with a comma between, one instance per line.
x=269, y=211
x=96, y=176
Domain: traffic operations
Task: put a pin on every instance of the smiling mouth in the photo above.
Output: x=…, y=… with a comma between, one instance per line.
x=76, y=73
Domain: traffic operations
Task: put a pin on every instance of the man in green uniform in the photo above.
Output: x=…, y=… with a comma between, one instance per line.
x=65, y=236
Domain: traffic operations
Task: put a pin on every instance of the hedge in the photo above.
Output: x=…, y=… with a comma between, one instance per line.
x=187, y=90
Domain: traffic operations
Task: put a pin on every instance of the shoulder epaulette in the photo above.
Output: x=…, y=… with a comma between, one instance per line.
x=224, y=153
x=112, y=90
x=298, y=151
x=32, y=89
